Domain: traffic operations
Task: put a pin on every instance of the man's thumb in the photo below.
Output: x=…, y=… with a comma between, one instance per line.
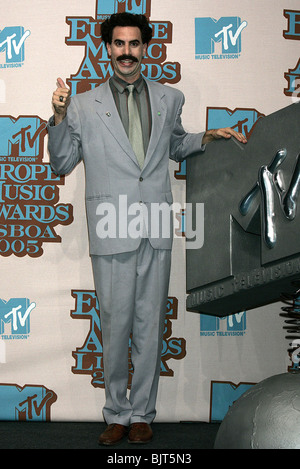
x=61, y=83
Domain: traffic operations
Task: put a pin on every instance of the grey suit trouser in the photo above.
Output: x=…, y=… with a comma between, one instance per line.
x=132, y=290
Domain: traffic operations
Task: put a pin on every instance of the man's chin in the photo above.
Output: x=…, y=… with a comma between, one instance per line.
x=127, y=72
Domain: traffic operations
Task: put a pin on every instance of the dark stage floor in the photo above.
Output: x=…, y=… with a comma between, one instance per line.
x=83, y=435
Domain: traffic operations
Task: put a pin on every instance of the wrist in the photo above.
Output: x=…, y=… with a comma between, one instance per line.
x=58, y=118
x=208, y=137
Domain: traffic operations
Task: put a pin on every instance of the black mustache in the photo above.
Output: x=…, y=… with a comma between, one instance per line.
x=127, y=57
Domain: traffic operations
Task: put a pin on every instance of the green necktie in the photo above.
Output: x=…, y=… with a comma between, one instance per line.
x=135, y=128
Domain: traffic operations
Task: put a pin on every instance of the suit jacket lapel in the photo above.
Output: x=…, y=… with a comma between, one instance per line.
x=108, y=113
x=159, y=113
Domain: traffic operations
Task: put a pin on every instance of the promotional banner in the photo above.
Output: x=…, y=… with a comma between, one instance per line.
x=235, y=62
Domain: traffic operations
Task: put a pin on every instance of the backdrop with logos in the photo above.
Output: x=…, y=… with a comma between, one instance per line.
x=235, y=62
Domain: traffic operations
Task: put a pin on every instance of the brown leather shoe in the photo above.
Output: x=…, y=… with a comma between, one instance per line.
x=113, y=434
x=140, y=432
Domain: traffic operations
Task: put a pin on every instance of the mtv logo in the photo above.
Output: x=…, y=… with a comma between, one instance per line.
x=226, y=30
x=28, y=403
x=12, y=40
x=234, y=322
x=16, y=312
x=251, y=251
x=22, y=136
x=106, y=8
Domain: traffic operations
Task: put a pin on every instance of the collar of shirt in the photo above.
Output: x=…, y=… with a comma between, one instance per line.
x=121, y=85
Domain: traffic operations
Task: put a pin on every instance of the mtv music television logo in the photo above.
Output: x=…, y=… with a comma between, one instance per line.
x=233, y=325
x=12, y=42
x=15, y=314
x=226, y=30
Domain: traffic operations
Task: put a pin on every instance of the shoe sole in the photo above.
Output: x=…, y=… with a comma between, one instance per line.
x=138, y=442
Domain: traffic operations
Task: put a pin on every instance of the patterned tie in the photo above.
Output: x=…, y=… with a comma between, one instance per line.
x=135, y=128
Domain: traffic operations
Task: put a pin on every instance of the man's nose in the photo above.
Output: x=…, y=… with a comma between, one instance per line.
x=127, y=49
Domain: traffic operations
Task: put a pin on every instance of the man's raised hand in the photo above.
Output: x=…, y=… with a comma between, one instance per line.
x=60, y=101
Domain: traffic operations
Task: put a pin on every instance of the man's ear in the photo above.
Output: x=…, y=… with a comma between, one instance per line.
x=108, y=47
x=145, y=47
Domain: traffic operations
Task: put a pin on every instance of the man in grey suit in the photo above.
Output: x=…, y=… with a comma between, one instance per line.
x=126, y=167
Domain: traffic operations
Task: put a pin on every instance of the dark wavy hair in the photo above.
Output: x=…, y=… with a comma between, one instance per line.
x=126, y=19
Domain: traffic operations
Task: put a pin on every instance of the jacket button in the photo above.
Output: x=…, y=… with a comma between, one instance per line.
x=141, y=179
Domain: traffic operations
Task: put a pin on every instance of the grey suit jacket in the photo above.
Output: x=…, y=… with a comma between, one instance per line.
x=117, y=191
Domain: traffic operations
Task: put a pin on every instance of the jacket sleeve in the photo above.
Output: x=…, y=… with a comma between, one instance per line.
x=64, y=141
x=182, y=143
